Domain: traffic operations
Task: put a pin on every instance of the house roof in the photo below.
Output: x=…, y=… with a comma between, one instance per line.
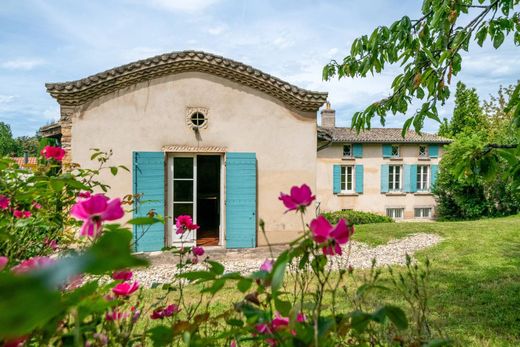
x=378, y=135
x=75, y=93
x=50, y=130
x=21, y=161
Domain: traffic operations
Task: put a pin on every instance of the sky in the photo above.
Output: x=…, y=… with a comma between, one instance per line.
x=60, y=40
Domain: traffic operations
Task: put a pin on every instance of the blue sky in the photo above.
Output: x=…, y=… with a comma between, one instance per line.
x=60, y=40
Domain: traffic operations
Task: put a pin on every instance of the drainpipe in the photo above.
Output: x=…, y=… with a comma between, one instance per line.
x=25, y=158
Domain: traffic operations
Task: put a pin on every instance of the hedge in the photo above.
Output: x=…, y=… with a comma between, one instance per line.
x=356, y=217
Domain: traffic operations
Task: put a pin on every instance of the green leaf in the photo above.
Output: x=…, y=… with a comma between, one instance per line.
x=216, y=267
x=244, y=284
x=113, y=170
x=279, y=271
x=197, y=275
x=161, y=335
x=498, y=39
x=396, y=316
x=481, y=35
x=215, y=287
x=26, y=303
x=144, y=221
x=359, y=320
x=282, y=306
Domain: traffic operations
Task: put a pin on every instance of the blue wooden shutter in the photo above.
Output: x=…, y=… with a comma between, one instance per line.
x=148, y=180
x=434, y=169
x=384, y=178
x=413, y=178
x=359, y=178
x=406, y=178
x=336, y=179
x=240, y=200
x=358, y=150
x=387, y=151
x=433, y=151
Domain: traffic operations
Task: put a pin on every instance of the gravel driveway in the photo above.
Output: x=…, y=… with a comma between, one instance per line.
x=162, y=267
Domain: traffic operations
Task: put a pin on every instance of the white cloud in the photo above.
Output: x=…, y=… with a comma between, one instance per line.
x=217, y=30
x=5, y=99
x=184, y=5
x=22, y=64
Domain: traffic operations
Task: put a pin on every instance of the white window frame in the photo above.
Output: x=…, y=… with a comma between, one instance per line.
x=398, y=155
x=351, y=149
x=395, y=212
x=344, y=176
x=392, y=181
x=423, y=154
x=421, y=213
x=423, y=185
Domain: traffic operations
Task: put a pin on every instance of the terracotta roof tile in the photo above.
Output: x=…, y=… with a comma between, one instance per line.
x=21, y=162
x=378, y=135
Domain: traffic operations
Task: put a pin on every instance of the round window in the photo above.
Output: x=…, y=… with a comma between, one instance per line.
x=198, y=119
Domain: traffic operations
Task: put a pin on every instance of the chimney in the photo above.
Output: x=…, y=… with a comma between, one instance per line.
x=328, y=116
x=25, y=158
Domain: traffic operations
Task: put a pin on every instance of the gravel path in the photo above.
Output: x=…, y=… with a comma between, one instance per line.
x=163, y=267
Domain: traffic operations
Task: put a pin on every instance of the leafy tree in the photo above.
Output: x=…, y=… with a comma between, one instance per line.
x=467, y=115
x=27, y=144
x=8, y=144
x=429, y=50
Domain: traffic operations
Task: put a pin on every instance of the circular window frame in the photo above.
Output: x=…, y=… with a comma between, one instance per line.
x=197, y=117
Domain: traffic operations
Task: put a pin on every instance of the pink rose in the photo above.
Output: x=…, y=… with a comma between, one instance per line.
x=267, y=265
x=125, y=288
x=52, y=152
x=33, y=263
x=299, y=198
x=19, y=214
x=185, y=223
x=331, y=238
x=124, y=275
x=94, y=211
x=161, y=312
x=4, y=202
x=3, y=262
x=197, y=251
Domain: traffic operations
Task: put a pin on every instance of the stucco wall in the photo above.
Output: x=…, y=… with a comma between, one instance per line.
x=371, y=199
x=150, y=115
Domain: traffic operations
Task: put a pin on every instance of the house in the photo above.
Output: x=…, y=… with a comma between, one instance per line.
x=202, y=135
x=376, y=170
x=216, y=139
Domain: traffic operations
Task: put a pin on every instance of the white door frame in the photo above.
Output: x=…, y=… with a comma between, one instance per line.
x=171, y=222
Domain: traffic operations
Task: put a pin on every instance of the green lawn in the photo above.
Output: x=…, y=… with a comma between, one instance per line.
x=475, y=278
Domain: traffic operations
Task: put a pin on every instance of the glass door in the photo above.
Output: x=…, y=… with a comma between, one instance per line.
x=184, y=186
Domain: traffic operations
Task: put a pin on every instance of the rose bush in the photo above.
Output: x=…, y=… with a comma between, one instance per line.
x=88, y=295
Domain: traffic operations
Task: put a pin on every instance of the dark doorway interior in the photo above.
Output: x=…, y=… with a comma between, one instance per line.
x=208, y=199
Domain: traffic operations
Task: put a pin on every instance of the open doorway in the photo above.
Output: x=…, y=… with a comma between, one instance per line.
x=208, y=199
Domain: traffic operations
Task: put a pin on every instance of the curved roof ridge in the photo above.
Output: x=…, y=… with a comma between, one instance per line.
x=74, y=93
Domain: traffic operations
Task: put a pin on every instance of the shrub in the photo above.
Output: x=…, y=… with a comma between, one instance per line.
x=44, y=301
x=356, y=217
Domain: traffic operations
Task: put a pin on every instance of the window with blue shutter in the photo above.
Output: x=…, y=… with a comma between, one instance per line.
x=149, y=183
x=413, y=178
x=384, y=178
x=387, y=151
x=240, y=200
x=336, y=179
x=359, y=179
x=358, y=150
x=433, y=151
x=434, y=169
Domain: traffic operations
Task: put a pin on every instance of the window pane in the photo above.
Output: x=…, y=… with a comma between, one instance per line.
x=395, y=150
x=183, y=190
x=182, y=209
x=347, y=151
x=182, y=167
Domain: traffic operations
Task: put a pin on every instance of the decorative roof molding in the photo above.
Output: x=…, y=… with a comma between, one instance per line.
x=194, y=149
x=377, y=135
x=75, y=93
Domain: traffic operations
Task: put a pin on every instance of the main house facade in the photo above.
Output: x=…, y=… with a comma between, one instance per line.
x=219, y=140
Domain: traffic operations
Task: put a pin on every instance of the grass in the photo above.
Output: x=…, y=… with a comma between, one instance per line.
x=475, y=278
x=475, y=282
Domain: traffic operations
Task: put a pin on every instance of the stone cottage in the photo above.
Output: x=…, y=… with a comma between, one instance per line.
x=219, y=140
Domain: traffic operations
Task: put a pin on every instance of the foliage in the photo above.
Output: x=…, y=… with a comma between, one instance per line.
x=467, y=115
x=69, y=299
x=429, y=50
x=36, y=220
x=356, y=217
x=8, y=145
x=477, y=176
